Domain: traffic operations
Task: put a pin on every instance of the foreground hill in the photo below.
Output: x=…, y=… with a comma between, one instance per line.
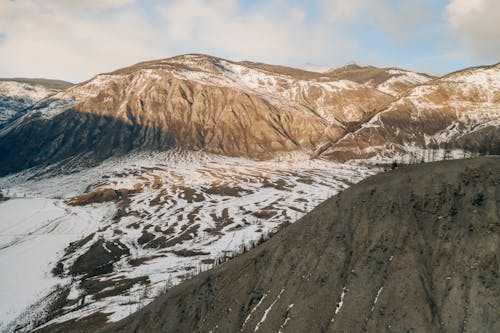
x=414, y=250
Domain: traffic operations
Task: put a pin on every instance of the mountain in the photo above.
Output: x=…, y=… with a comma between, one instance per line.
x=392, y=81
x=18, y=94
x=255, y=110
x=46, y=83
x=460, y=111
x=192, y=102
x=410, y=250
x=314, y=68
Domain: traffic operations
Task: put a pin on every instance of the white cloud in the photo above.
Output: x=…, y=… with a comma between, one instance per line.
x=56, y=40
x=477, y=24
x=265, y=35
x=399, y=18
x=77, y=39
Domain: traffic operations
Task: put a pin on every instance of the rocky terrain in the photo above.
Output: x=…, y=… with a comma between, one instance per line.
x=18, y=94
x=460, y=111
x=413, y=250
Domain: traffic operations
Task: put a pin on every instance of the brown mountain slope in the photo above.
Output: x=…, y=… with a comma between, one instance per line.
x=191, y=102
x=414, y=250
x=460, y=110
x=391, y=80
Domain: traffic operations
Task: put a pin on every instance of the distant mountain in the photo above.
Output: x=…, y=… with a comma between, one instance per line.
x=18, y=94
x=255, y=110
x=191, y=102
x=412, y=250
x=460, y=111
x=392, y=81
x=47, y=83
x=315, y=68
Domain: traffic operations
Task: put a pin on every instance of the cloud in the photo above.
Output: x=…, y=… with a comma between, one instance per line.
x=76, y=39
x=57, y=40
x=477, y=24
x=272, y=33
x=400, y=19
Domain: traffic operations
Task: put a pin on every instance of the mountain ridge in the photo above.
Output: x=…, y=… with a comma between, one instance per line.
x=250, y=109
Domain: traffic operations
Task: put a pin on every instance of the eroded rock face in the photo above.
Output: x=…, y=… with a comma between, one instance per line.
x=411, y=250
x=192, y=102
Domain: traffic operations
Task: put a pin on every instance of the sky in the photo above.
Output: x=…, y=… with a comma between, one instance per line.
x=75, y=40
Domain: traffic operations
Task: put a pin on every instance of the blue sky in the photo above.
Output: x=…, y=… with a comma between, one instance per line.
x=75, y=40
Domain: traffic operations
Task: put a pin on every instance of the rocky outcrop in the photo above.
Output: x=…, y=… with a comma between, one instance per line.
x=412, y=250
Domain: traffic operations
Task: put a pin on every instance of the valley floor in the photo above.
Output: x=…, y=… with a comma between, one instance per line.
x=172, y=216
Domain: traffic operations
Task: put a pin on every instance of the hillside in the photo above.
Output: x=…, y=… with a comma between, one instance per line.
x=192, y=102
x=18, y=94
x=413, y=250
x=460, y=111
x=392, y=81
x=46, y=83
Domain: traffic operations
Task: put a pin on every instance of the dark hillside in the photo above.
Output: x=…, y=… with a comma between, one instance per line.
x=413, y=250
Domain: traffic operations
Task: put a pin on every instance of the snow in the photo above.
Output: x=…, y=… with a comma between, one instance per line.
x=24, y=90
x=340, y=303
x=264, y=316
x=16, y=97
x=401, y=77
x=33, y=232
x=282, y=190
x=287, y=319
x=376, y=298
x=253, y=310
x=54, y=107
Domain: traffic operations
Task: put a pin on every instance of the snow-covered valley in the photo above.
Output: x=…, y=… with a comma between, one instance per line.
x=108, y=239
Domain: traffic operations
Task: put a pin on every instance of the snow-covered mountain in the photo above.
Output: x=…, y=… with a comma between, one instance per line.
x=17, y=95
x=459, y=112
x=390, y=80
x=192, y=102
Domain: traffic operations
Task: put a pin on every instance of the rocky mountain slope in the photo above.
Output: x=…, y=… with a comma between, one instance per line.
x=459, y=111
x=194, y=102
x=18, y=94
x=391, y=80
x=255, y=110
x=411, y=250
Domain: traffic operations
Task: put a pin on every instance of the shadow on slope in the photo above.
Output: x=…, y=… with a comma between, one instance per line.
x=74, y=134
